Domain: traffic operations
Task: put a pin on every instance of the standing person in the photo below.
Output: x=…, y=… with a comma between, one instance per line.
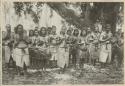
x=98, y=25
x=48, y=36
x=71, y=29
x=49, y=30
x=94, y=45
x=105, y=49
x=89, y=41
x=74, y=51
x=21, y=53
x=63, y=54
x=82, y=50
x=121, y=44
x=31, y=35
x=36, y=38
x=7, y=40
x=43, y=48
x=68, y=42
x=35, y=54
x=53, y=47
x=117, y=48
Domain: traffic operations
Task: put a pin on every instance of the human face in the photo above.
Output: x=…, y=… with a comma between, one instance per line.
x=71, y=29
x=83, y=32
x=62, y=32
x=31, y=33
x=96, y=28
x=76, y=32
x=43, y=31
x=36, y=33
x=69, y=32
x=53, y=29
x=49, y=30
x=20, y=29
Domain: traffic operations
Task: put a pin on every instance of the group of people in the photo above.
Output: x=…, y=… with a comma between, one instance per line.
x=42, y=48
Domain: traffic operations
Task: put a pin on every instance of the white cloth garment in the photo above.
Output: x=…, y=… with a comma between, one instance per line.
x=7, y=54
x=63, y=55
x=21, y=57
x=105, y=55
x=63, y=58
x=105, y=49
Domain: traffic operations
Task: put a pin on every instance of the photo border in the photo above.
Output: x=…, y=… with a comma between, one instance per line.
x=2, y=26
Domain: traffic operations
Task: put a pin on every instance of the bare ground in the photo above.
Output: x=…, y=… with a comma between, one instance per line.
x=90, y=75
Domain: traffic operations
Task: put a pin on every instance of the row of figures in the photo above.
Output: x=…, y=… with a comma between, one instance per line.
x=43, y=48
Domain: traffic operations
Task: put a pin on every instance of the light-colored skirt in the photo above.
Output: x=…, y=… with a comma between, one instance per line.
x=63, y=58
x=21, y=57
x=7, y=54
x=105, y=54
x=54, y=52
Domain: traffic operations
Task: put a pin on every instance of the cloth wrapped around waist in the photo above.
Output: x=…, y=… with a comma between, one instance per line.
x=53, y=49
x=22, y=45
x=40, y=53
x=21, y=51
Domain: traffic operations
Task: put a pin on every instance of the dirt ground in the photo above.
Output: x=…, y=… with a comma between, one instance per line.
x=90, y=75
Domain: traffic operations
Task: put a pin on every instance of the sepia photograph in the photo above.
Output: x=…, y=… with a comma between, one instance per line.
x=62, y=43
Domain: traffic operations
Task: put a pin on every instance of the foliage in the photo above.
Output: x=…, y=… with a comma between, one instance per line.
x=18, y=8
x=27, y=8
x=68, y=14
x=106, y=12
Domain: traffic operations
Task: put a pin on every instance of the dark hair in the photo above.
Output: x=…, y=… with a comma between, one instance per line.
x=49, y=28
x=30, y=31
x=62, y=32
x=41, y=30
x=53, y=27
x=35, y=30
x=16, y=28
x=75, y=31
x=68, y=31
x=82, y=31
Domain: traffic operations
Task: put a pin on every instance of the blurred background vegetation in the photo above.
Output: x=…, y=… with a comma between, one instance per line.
x=79, y=14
